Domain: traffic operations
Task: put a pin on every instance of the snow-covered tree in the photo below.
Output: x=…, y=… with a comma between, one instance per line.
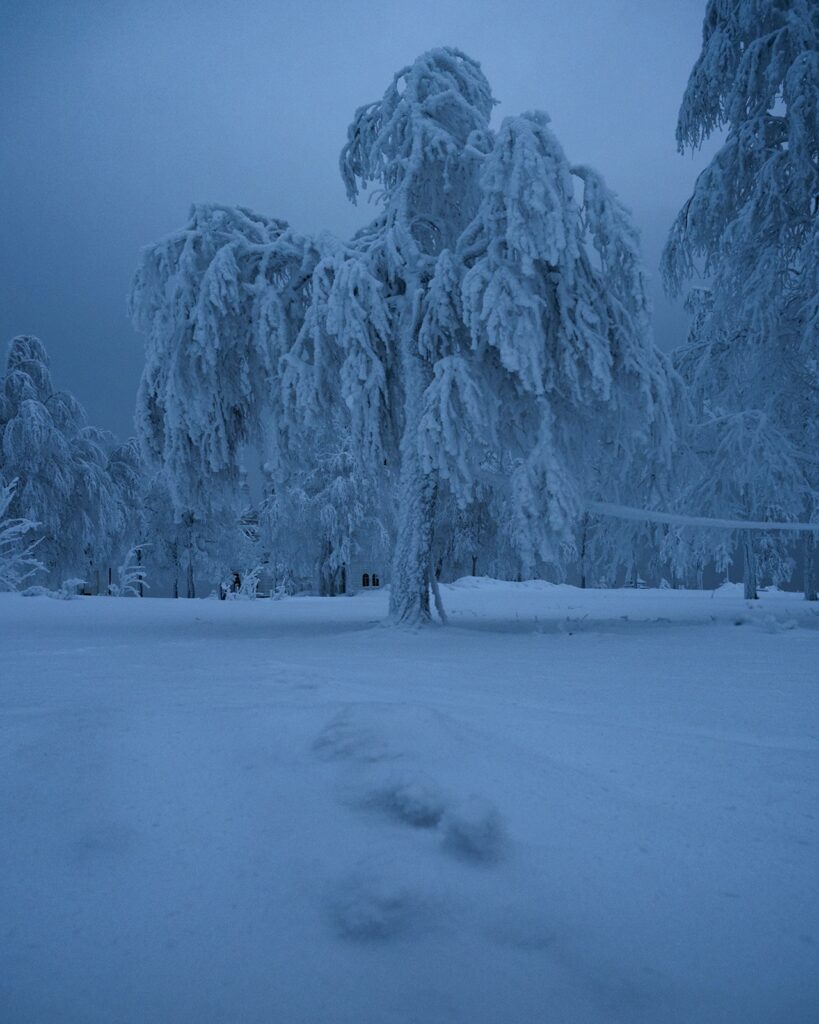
x=469, y=538
x=18, y=555
x=487, y=310
x=422, y=143
x=745, y=470
x=316, y=521
x=126, y=472
x=167, y=552
x=750, y=228
x=219, y=303
x=59, y=463
x=131, y=580
x=488, y=330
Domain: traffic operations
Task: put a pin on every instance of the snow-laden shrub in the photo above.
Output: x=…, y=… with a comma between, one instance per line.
x=67, y=591
x=130, y=575
x=248, y=589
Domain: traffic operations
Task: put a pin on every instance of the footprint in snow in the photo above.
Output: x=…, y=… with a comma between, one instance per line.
x=345, y=739
x=473, y=830
x=374, y=905
x=470, y=829
x=412, y=799
x=372, y=731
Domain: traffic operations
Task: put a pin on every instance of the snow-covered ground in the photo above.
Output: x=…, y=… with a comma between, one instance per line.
x=568, y=806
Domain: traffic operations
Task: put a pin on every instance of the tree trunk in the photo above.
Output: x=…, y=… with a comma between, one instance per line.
x=417, y=490
x=439, y=604
x=749, y=567
x=191, y=587
x=174, y=550
x=188, y=520
x=327, y=584
x=474, y=565
x=583, y=532
x=409, y=593
x=809, y=553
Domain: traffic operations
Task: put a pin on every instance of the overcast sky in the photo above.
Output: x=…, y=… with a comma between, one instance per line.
x=117, y=115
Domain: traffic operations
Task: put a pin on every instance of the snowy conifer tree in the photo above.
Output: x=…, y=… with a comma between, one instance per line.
x=750, y=228
x=315, y=522
x=746, y=471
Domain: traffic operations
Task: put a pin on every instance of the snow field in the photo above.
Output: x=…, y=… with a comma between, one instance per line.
x=571, y=806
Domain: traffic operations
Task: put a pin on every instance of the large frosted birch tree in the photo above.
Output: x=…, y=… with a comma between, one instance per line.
x=486, y=334
x=489, y=318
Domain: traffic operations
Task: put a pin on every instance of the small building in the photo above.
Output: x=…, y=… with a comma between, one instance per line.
x=363, y=575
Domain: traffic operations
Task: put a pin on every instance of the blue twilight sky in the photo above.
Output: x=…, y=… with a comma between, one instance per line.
x=117, y=115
